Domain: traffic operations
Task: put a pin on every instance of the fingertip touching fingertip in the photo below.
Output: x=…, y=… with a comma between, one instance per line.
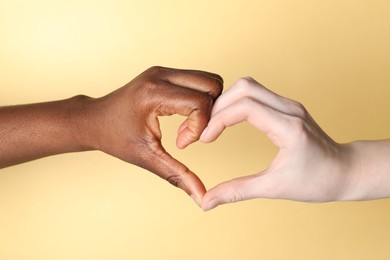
x=197, y=194
x=211, y=200
x=197, y=200
x=209, y=205
x=203, y=136
x=178, y=182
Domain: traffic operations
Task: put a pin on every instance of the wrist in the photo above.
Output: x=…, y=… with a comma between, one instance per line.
x=80, y=122
x=368, y=170
x=350, y=179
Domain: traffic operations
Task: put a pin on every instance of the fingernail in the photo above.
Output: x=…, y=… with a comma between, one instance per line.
x=203, y=135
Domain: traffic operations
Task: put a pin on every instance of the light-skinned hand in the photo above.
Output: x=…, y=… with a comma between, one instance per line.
x=309, y=166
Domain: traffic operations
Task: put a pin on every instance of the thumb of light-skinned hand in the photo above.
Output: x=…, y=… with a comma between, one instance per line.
x=240, y=189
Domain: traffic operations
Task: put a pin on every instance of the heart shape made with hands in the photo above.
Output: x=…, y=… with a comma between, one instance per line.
x=303, y=146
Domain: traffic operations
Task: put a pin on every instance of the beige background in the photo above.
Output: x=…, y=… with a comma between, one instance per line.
x=333, y=56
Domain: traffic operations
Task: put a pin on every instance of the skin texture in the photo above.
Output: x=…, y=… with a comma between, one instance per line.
x=309, y=167
x=123, y=124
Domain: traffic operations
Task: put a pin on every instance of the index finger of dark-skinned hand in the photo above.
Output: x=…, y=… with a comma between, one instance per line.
x=203, y=81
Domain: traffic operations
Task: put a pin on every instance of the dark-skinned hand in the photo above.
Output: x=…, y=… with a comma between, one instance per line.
x=123, y=124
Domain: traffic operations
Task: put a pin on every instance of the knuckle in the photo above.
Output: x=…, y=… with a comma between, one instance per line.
x=217, y=77
x=298, y=109
x=243, y=83
x=153, y=76
x=235, y=195
x=214, y=84
x=204, y=102
x=149, y=85
x=217, y=86
x=175, y=180
x=246, y=86
x=155, y=69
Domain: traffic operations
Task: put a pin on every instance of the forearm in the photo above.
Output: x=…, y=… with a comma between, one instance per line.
x=29, y=132
x=369, y=170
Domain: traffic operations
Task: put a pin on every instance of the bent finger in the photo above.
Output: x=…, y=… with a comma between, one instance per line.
x=248, y=87
x=264, y=118
x=203, y=81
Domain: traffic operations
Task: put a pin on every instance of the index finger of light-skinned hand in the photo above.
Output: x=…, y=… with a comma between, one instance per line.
x=203, y=81
x=248, y=87
x=264, y=118
x=176, y=173
x=240, y=189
